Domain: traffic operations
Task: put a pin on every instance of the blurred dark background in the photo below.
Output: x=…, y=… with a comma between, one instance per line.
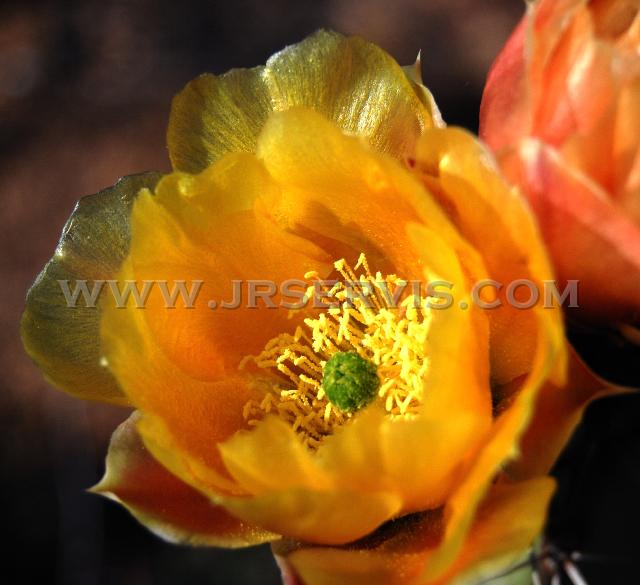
x=85, y=89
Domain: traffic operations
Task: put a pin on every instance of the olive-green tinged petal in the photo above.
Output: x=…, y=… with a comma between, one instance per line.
x=414, y=74
x=65, y=341
x=352, y=82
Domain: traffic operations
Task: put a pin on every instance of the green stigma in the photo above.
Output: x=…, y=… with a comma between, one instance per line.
x=349, y=381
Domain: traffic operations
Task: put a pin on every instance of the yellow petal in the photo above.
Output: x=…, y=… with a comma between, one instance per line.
x=164, y=504
x=501, y=447
x=64, y=341
x=294, y=494
x=271, y=456
x=180, y=366
x=371, y=454
x=458, y=341
x=456, y=411
x=183, y=417
x=351, y=199
x=506, y=524
x=497, y=221
x=558, y=411
x=204, y=228
x=350, y=81
x=346, y=197
x=332, y=517
x=421, y=460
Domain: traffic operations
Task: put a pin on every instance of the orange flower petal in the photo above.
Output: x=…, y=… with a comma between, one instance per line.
x=503, y=110
x=605, y=245
x=164, y=504
x=579, y=62
x=579, y=107
x=627, y=148
x=614, y=17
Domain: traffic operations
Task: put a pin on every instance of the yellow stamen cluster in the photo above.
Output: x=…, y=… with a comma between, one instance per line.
x=365, y=316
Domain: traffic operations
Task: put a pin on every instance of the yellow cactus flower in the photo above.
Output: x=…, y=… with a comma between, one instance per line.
x=366, y=436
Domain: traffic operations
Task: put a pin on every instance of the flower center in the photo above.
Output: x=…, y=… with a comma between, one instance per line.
x=367, y=349
x=349, y=381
